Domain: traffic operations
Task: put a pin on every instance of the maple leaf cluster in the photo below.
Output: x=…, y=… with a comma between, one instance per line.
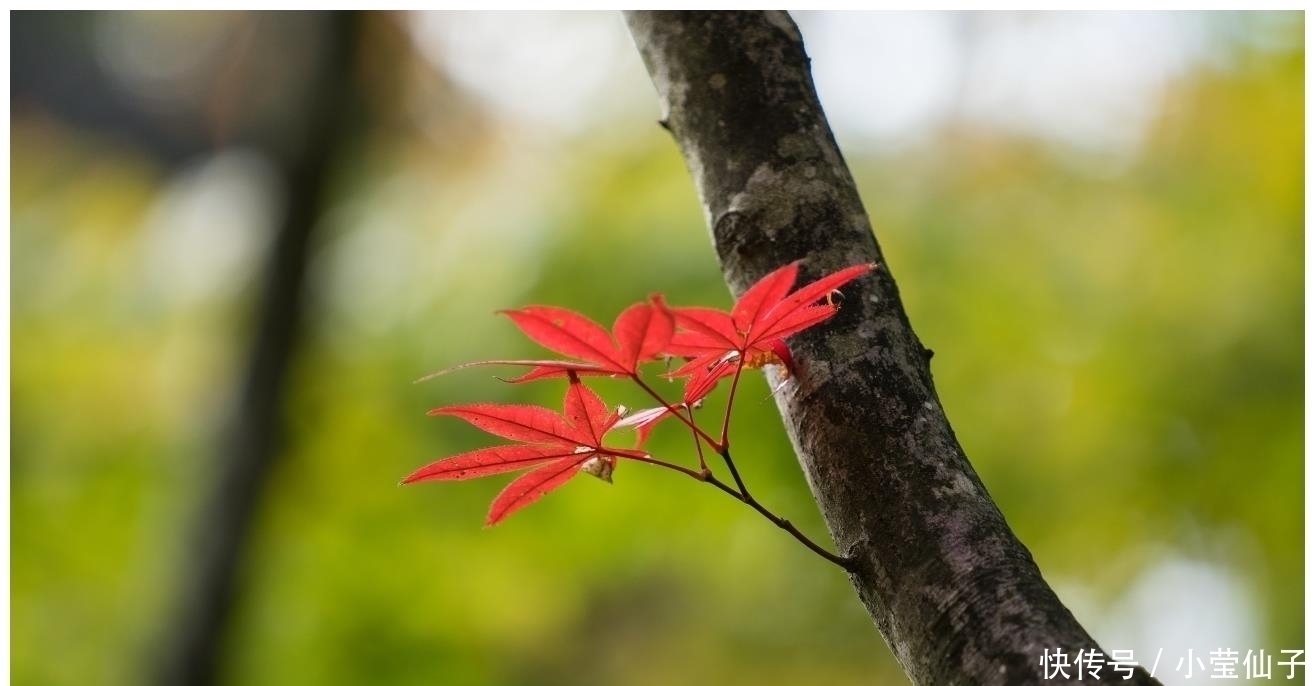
x=714, y=345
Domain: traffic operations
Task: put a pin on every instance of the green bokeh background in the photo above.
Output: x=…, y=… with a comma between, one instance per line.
x=1119, y=348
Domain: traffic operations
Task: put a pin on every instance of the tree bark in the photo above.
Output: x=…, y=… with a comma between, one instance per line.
x=955, y=594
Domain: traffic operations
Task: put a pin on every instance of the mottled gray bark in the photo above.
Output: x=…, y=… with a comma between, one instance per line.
x=956, y=595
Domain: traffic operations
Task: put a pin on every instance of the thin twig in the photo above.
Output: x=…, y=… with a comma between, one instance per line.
x=698, y=445
x=706, y=477
x=673, y=410
x=711, y=479
x=730, y=402
x=841, y=562
x=725, y=447
x=773, y=518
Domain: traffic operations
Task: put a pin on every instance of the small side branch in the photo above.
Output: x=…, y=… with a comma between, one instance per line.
x=710, y=479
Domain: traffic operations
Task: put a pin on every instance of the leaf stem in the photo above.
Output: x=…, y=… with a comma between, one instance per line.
x=725, y=447
x=706, y=477
x=698, y=444
x=689, y=421
x=730, y=402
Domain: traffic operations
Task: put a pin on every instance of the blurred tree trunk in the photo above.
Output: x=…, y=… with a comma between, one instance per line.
x=190, y=654
x=953, y=591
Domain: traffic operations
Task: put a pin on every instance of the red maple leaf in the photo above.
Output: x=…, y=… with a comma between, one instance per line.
x=753, y=333
x=556, y=447
x=640, y=334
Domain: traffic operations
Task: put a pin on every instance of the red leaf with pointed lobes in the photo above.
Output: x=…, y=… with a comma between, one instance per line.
x=643, y=331
x=553, y=370
x=705, y=329
x=810, y=294
x=763, y=296
x=588, y=414
x=701, y=384
x=755, y=329
x=526, y=423
x=556, y=447
x=487, y=462
x=568, y=333
x=704, y=372
x=640, y=334
x=527, y=489
x=769, y=325
x=701, y=363
x=798, y=320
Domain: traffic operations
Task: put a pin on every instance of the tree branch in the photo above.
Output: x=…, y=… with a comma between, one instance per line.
x=955, y=594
